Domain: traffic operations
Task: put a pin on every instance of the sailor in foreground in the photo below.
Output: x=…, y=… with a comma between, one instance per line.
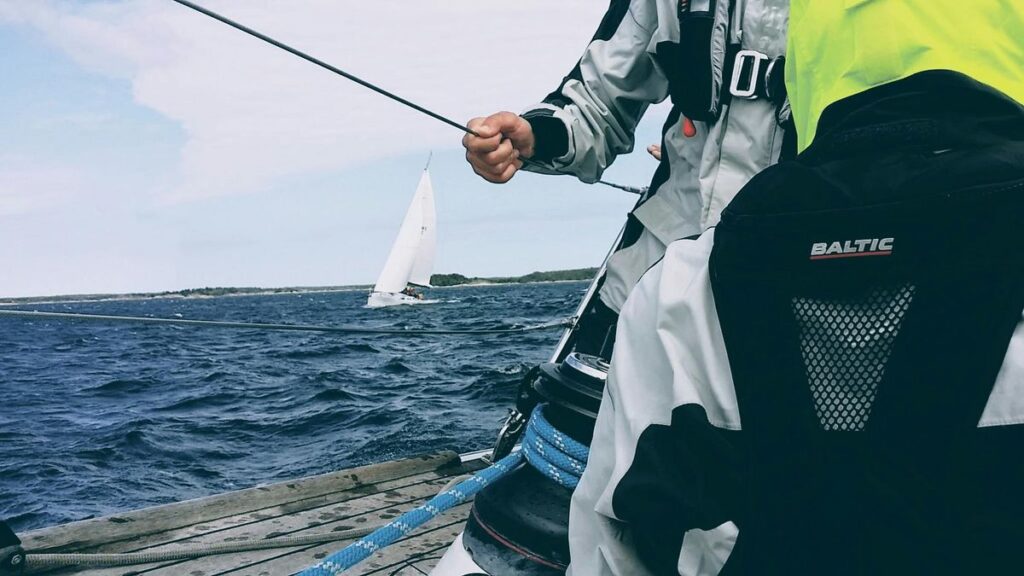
x=831, y=381
x=721, y=63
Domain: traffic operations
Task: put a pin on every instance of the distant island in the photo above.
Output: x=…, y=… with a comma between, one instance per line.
x=438, y=280
x=554, y=276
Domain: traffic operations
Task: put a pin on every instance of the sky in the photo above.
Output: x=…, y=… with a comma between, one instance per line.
x=146, y=147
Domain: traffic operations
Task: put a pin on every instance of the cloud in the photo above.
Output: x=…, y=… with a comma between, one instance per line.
x=32, y=186
x=255, y=116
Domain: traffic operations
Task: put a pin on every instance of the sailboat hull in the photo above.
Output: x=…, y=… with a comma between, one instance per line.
x=384, y=299
x=456, y=562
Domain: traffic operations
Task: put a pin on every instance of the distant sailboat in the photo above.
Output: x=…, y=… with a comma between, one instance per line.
x=411, y=260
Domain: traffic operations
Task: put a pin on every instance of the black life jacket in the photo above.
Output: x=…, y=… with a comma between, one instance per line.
x=705, y=70
x=867, y=293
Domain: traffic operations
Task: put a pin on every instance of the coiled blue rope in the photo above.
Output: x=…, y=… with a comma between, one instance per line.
x=554, y=454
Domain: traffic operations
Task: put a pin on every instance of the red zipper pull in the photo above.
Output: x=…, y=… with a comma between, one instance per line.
x=689, y=128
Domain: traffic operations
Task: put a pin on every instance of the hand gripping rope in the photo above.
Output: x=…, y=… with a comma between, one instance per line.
x=554, y=454
x=369, y=85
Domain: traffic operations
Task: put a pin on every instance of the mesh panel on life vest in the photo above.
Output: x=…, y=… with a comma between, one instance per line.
x=845, y=345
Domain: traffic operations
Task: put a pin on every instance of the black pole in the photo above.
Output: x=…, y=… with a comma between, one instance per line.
x=323, y=64
x=359, y=80
x=624, y=188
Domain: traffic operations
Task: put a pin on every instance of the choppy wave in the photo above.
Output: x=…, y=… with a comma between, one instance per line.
x=102, y=418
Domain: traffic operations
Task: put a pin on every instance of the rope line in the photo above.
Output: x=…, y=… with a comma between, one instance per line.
x=369, y=85
x=554, y=454
x=321, y=63
x=560, y=323
x=398, y=528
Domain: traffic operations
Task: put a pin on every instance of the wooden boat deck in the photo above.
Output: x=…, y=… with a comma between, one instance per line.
x=365, y=496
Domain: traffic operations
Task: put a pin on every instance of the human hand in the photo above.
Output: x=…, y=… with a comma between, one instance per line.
x=501, y=143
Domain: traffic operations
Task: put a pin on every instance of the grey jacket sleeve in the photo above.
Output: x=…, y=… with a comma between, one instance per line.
x=590, y=118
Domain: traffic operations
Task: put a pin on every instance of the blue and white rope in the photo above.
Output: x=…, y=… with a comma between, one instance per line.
x=554, y=454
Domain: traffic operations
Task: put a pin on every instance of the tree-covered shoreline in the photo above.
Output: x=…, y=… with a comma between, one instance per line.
x=438, y=280
x=578, y=274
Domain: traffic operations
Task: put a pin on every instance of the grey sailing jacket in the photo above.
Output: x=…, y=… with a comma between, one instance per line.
x=590, y=119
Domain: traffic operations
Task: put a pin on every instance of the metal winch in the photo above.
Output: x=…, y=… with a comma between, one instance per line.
x=520, y=524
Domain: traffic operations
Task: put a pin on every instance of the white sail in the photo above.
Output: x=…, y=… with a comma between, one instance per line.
x=412, y=256
x=423, y=267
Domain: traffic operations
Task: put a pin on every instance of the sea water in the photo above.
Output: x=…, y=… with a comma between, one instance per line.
x=97, y=418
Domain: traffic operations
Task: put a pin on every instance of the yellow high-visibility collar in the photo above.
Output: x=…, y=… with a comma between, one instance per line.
x=838, y=48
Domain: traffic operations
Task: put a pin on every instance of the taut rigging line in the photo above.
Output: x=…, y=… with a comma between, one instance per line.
x=357, y=79
x=262, y=326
